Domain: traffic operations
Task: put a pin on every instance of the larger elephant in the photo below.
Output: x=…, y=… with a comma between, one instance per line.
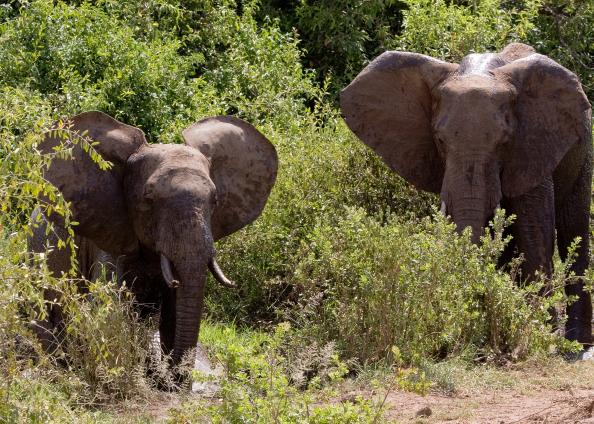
x=512, y=128
x=158, y=210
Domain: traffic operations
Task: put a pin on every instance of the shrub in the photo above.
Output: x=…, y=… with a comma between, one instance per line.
x=81, y=59
x=259, y=76
x=450, y=31
x=343, y=249
x=255, y=70
x=418, y=286
x=322, y=171
x=338, y=37
x=34, y=400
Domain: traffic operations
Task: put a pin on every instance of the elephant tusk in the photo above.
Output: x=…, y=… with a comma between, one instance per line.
x=167, y=273
x=217, y=273
x=443, y=209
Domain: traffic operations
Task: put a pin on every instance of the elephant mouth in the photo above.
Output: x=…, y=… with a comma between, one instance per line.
x=213, y=266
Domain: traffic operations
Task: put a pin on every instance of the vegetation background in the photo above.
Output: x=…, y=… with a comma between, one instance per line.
x=353, y=261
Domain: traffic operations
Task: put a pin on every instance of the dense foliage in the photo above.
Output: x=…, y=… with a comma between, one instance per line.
x=347, y=251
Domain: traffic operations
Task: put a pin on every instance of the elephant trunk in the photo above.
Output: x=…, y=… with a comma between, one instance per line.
x=470, y=193
x=189, y=298
x=185, y=255
x=473, y=217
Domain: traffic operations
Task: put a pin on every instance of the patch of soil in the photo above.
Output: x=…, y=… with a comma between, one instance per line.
x=499, y=407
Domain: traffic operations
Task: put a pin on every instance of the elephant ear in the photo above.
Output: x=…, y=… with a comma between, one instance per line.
x=243, y=167
x=95, y=195
x=553, y=115
x=388, y=106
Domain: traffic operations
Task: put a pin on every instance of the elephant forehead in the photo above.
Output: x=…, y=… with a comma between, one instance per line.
x=473, y=87
x=153, y=158
x=474, y=106
x=172, y=154
x=171, y=179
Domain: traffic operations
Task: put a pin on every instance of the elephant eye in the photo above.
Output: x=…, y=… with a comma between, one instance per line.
x=441, y=146
x=145, y=205
x=147, y=197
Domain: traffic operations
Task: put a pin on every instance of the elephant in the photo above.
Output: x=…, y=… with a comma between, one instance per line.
x=156, y=213
x=510, y=129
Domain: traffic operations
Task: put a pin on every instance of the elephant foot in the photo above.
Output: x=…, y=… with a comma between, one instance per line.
x=161, y=371
x=577, y=330
x=586, y=354
x=206, y=376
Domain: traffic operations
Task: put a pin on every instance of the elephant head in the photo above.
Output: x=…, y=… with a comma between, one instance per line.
x=495, y=125
x=169, y=202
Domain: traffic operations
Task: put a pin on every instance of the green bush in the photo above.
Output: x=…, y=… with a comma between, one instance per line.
x=34, y=400
x=81, y=59
x=256, y=70
x=322, y=172
x=259, y=76
x=419, y=286
x=449, y=30
x=343, y=239
x=338, y=37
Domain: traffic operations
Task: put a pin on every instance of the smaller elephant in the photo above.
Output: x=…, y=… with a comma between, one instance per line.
x=512, y=128
x=157, y=212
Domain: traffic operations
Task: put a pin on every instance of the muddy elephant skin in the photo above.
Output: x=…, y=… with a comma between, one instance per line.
x=156, y=213
x=512, y=128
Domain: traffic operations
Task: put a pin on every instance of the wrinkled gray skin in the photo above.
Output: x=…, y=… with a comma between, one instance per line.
x=154, y=216
x=510, y=129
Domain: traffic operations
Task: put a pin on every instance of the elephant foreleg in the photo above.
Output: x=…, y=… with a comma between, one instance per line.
x=50, y=329
x=572, y=220
x=92, y=263
x=167, y=320
x=534, y=229
x=511, y=250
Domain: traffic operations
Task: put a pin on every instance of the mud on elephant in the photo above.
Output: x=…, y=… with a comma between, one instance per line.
x=512, y=128
x=157, y=211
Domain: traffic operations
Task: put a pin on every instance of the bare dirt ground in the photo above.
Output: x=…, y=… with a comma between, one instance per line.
x=546, y=406
x=555, y=392
x=539, y=392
